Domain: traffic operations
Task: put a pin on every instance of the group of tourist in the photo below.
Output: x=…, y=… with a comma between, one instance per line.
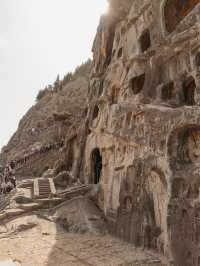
x=7, y=178
x=35, y=152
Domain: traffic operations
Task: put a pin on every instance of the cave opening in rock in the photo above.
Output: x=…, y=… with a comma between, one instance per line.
x=189, y=260
x=189, y=87
x=85, y=111
x=178, y=187
x=137, y=83
x=184, y=145
x=96, y=166
x=197, y=60
x=128, y=203
x=157, y=189
x=168, y=91
x=95, y=112
x=120, y=52
x=145, y=41
x=70, y=157
x=175, y=11
x=113, y=53
x=199, y=261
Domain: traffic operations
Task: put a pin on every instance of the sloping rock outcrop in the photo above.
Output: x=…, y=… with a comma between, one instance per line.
x=40, y=138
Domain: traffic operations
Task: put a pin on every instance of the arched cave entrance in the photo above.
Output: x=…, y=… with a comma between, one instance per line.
x=199, y=261
x=70, y=154
x=168, y=91
x=95, y=112
x=184, y=145
x=145, y=41
x=148, y=194
x=175, y=11
x=189, y=87
x=137, y=83
x=156, y=186
x=120, y=53
x=96, y=166
x=197, y=60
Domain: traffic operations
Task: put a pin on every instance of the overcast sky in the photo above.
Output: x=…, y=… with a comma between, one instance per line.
x=38, y=40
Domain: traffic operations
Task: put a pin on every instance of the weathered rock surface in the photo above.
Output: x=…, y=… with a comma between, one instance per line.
x=63, y=179
x=139, y=142
x=144, y=127
x=50, y=173
x=23, y=195
x=37, y=143
x=80, y=215
x=26, y=183
x=10, y=213
x=22, y=199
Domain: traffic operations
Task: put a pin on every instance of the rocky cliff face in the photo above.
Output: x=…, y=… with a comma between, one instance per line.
x=140, y=139
x=40, y=138
x=143, y=146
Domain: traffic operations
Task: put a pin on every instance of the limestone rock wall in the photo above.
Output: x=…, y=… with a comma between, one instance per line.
x=138, y=133
x=144, y=124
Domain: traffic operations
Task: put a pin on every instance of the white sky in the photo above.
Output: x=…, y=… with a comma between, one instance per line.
x=38, y=40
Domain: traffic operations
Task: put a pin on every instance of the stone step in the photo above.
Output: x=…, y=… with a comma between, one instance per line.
x=45, y=192
x=44, y=184
x=43, y=188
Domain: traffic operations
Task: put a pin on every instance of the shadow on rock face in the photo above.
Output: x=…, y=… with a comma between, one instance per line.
x=80, y=216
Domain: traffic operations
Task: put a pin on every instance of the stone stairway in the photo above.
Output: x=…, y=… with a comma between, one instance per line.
x=43, y=188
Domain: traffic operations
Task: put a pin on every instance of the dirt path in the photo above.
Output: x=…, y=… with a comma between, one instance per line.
x=46, y=244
